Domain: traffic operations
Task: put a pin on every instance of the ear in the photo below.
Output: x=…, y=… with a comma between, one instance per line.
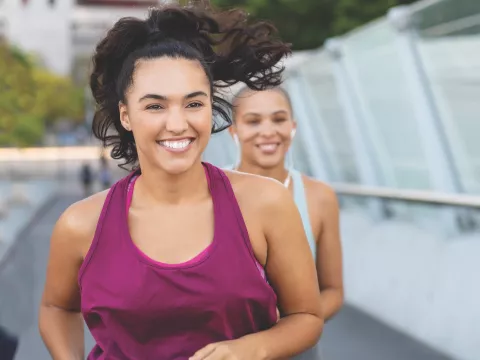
x=124, y=119
x=294, y=130
x=233, y=132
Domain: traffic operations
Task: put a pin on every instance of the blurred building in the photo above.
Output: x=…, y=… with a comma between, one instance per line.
x=63, y=33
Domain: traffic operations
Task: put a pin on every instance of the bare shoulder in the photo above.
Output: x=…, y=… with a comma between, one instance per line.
x=324, y=194
x=259, y=190
x=76, y=226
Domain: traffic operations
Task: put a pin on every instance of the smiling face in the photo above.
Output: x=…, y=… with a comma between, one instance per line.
x=264, y=126
x=169, y=110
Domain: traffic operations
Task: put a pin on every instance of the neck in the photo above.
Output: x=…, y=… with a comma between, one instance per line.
x=157, y=186
x=279, y=172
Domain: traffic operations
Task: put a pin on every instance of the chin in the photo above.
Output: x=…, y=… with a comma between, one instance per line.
x=270, y=163
x=176, y=166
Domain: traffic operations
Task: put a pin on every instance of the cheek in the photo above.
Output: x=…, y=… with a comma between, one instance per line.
x=285, y=133
x=201, y=122
x=146, y=127
x=246, y=134
x=248, y=138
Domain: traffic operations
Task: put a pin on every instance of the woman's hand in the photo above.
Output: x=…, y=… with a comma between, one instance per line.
x=239, y=349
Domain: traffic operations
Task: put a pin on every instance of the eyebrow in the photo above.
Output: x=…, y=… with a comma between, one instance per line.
x=274, y=113
x=163, y=97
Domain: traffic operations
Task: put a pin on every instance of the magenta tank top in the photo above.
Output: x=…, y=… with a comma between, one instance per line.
x=139, y=309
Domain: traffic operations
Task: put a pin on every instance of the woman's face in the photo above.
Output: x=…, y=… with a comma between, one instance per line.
x=264, y=126
x=169, y=111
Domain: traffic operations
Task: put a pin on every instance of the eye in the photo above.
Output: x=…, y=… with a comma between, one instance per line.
x=195, y=104
x=279, y=119
x=253, y=121
x=154, y=107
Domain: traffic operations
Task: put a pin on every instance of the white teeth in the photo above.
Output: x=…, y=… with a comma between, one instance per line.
x=268, y=147
x=175, y=144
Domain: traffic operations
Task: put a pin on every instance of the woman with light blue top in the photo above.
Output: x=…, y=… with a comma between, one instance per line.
x=263, y=131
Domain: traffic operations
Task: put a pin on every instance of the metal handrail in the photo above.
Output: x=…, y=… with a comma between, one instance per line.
x=421, y=5
x=421, y=196
x=453, y=26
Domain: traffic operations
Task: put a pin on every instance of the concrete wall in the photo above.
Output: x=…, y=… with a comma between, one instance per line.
x=42, y=29
x=420, y=283
x=59, y=32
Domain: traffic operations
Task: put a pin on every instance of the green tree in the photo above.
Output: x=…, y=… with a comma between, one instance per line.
x=350, y=14
x=27, y=130
x=17, y=94
x=31, y=98
x=57, y=98
x=304, y=23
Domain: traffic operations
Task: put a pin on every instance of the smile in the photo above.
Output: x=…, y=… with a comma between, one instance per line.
x=180, y=145
x=268, y=148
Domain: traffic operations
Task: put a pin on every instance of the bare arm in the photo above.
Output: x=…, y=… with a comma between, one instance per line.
x=329, y=254
x=291, y=272
x=60, y=320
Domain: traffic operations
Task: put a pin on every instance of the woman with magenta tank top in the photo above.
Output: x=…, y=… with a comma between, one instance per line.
x=172, y=262
x=263, y=130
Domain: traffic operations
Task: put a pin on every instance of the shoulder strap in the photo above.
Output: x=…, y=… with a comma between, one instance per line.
x=229, y=210
x=229, y=167
x=301, y=201
x=113, y=192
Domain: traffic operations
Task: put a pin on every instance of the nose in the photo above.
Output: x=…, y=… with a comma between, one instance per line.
x=267, y=129
x=177, y=122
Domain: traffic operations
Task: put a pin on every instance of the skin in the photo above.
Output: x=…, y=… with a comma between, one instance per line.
x=265, y=118
x=173, y=187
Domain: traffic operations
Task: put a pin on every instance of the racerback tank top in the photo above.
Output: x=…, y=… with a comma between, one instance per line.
x=138, y=308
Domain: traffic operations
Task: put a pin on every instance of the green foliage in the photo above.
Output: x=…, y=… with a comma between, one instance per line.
x=304, y=23
x=27, y=130
x=350, y=14
x=308, y=23
x=31, y=98
x=17, y=94
x=57, y=97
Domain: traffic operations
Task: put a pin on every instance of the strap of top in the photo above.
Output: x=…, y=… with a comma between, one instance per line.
x=233, y=204
x=301, y=202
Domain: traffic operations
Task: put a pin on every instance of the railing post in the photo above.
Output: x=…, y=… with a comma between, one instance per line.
x=315, y=116
x=317, y=157
x=444, y=175
x=434, y=141
x=367, y=165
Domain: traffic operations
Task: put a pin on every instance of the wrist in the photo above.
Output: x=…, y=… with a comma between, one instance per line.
x=257, y=344
x=261, y=353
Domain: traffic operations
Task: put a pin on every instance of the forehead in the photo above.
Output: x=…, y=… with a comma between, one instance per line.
x=169, y=77
x=262, y=102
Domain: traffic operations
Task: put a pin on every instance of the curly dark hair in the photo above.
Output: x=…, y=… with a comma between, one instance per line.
x=229, y=48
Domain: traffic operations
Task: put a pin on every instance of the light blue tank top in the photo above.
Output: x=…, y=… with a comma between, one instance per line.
x=300, y=198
